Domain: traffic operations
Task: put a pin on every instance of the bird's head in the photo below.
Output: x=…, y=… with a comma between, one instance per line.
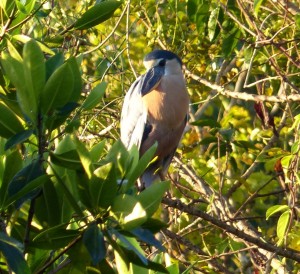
x=168, y=61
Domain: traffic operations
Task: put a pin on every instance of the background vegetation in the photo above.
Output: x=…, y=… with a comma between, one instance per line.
x=68, y=203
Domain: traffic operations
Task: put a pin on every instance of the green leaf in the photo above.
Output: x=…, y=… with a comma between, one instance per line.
x=53, y=63
x=129, y=211
x=13, y=163
x=34, y=69
x=213, y=24
x=208, y=140
x=93, y=240
x=23, y=178
x=275, y=209
x=256, y=6
x=15, y=72
x=97, y=150
x=68, y=194
x=297, y=21
x=141, y=166
x=9, y=122
x=58, y=89
x=151, y=197
x=94, y=97
x=54, y=238
x=105, y=188
x=230, y=42
x=13, y=253
x=24, y=39
x=18, y=138
x=147, y=237
x=295, y=147
x=154, y=225
x=283, y=224
x=77, y=87
x=66, y=154
x=48, y=208
x=97, y=14
x=131, y=244
x=28, y=190
x=84, y=157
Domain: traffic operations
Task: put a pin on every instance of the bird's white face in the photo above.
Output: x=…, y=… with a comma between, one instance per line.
x=171, y=67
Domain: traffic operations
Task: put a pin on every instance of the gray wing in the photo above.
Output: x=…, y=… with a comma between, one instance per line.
x=133, y=116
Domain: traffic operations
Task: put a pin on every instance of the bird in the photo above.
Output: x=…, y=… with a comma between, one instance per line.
x=155, y=110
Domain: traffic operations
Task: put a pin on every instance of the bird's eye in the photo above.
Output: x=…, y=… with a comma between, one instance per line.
x=162, y=63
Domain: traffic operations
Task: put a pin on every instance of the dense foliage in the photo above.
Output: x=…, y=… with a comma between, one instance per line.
x=68, y=201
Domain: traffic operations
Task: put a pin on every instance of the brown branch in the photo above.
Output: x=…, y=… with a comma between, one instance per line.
x=195, y=249
x=285, y=252
x=243, y=95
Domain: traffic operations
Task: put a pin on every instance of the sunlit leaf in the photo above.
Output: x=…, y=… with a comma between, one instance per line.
x=275, y=209
x=129, y=210
x=58, y=89
x=10, y=125
x=151, y=197
x=34, y=69
x=94, y=97
x=256, y=5
x=97, y=14
x=283, y=224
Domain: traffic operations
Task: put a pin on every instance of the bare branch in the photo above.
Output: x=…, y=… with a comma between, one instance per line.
x=243, y=95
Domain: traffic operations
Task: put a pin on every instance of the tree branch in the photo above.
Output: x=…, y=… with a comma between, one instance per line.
x=285, y=252
x=243, y=95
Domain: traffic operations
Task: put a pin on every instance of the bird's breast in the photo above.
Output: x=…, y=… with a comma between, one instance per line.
x=168, y=103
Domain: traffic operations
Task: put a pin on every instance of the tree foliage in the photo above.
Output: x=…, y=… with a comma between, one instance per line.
x=68, y=201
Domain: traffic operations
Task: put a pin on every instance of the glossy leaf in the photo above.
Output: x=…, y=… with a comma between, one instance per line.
x=256, y=6
x=147, y=237
x=54, y=238
x=131, y=244
x=283, y=224
x=213, y=24
x=30, y=190
x=93, y=240
x=77, y=87
x=94, y=97
x=275, y=209
x=151, y=197
x=15, y=72
x=53, y=63
x=24, y=39
x=141, y=166
x=10, y=125
x=13, y=163
x=105, y=188
x=97, y=151
x=84, y=157
x=13, y=253
x=58, y=89
x=68, y=159
x=129, y=211
x=34, y=69
x=24, y=177
x=18, y=138
x=154, y=225
x=97, y=14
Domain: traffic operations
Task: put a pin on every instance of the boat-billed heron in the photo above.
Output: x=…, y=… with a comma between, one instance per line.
x=155, y=109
